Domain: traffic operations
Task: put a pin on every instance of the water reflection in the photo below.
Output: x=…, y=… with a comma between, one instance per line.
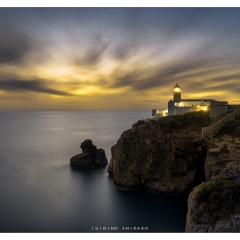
x=40, y=192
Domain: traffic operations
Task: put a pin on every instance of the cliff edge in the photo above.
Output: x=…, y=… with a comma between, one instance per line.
x=214, y=206
x=169, y=156
x=165, y=156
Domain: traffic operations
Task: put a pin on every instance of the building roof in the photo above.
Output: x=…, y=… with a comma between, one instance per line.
x=205, y=100
x=177, y=86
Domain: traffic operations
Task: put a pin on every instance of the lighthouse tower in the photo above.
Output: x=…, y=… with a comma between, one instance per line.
x=177, y=93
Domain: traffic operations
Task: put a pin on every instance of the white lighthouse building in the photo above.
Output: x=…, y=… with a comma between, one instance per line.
x=179, y=105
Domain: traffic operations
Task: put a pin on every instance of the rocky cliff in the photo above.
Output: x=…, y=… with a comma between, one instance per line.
x=169, y=156
x=214, y=206
x=154, y=157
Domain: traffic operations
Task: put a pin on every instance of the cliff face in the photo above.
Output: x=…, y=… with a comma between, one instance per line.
x=169, y=156
x=148, y=157
x=222, y=150
x=214, y=206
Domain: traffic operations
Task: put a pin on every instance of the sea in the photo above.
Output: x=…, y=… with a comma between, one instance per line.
x=41, y=193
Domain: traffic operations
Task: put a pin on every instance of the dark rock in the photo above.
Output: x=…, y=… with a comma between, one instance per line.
x=88, y=147
x=214, y=206
x=145, y=157
x=100, y=157
x=83, y=160
x=156, y=156
x=90, y=156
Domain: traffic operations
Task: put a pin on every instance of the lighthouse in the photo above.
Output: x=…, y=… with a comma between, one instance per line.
x=178, y=105
x=177, y=93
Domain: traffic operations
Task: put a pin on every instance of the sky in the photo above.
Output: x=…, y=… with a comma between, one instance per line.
x=116, y=58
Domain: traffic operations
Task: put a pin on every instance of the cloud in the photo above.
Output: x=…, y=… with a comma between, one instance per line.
x=31, y=85
x=205, y=60
x=144, y=78
x=93, y=54
x=122, y=52
x=147, y=48
x=14, y=45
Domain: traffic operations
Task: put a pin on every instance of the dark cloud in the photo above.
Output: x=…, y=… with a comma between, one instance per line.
x=187, y=21
x=31, y=85
x=225, y=78
x=167, y=27
x=125, y=49
x=93, y=54
x=135, y=24
x=199, y=42
x=202, y=61
x=159, y=77
x=122, y=52
x=14, y=45
x=229, y=82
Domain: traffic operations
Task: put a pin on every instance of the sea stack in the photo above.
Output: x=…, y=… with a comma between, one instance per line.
x=90, y=156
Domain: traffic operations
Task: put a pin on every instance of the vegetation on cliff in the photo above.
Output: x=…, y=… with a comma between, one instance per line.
x=220, y=198
x=191, y=121
x=188, y=122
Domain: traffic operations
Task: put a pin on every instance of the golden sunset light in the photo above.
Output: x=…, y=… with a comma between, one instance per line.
x=74, y=58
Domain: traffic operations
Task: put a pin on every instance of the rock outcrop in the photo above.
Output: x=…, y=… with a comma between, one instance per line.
x=150, y=158
x=90, y=156
x=170, y=156
x=214, y=206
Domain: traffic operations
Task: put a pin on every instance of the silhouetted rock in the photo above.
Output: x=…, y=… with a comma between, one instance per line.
x=88, y=147
x=90, y=156
x=100, y=157
x=146, y=157
x=170, y=156
x=214, y=206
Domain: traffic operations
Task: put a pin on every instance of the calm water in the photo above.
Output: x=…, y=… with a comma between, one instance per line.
x=41, y=193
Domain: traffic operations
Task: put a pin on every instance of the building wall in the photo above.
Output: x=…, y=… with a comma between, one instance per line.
x=177, y=96
x=162, y=112
x=171, y=108
x=154, y=111
x=178, y=107
x=233, y=107
x=192, y=103
x=217, y=108
x=179, y=110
